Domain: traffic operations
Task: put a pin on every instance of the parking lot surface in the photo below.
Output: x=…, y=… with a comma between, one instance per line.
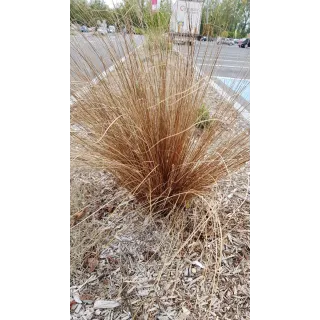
x=231, y=66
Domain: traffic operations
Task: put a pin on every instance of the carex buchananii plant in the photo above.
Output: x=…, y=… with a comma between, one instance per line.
x=140, y=120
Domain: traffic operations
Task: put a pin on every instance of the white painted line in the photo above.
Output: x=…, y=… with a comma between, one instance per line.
x=222, y=66
x=222, y=57
x=245, y=113
x=223, y=52
x=240, y=61
x=232, y=78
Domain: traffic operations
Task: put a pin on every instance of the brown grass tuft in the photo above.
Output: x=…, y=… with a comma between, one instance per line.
x=141, y=123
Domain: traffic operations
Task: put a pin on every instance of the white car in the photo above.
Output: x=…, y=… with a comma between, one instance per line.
x=112, y=29
x=102, y=30
x=225, y=41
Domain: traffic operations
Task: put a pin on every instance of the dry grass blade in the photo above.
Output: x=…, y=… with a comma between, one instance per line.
x=154, y=135
x=141, y=123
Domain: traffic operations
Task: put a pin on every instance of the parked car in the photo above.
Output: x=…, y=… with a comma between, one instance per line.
x=235, y=41
x=84, y=29
x=102, y=30
x=245, y=43
x=240, y=41
x=112, y=29
x=225, y=41
x=203, y=39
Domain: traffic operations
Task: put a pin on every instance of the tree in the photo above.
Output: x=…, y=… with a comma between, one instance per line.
x=227, y=15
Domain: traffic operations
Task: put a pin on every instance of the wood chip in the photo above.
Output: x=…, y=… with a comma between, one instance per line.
x=106, y=304
x=77, y=298
x=143, y=293
x=79, y=306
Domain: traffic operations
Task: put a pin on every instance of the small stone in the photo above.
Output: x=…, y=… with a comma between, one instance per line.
x=193, y=270
x=97, y=312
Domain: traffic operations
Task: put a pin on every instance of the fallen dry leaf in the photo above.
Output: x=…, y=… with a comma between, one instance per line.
x=100, y=215
x=86, y=297
x=79, y=214
x=110, y=209
x=92, y=263
x=72, y=302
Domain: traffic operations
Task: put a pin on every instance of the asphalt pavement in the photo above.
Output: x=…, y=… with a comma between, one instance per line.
x=94, y=48
x=229, y=67
x=231, y=64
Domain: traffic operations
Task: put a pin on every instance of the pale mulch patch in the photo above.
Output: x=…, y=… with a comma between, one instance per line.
x=146, y=263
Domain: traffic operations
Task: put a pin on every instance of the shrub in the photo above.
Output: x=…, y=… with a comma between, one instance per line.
x=158, y=41
x=139, y=31
x=203, y=117
x=140, y=124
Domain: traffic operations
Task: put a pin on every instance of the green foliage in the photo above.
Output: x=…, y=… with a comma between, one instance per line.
x=138, y=31
x=207, y=30
x=227, y=15
x=157, y=20
x=82, y=12
x=158, y=41
x=130, y=13
x=225, y=34
x=203, y=118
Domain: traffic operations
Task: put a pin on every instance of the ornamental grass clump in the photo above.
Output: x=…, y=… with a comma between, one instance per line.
x=140, y=121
